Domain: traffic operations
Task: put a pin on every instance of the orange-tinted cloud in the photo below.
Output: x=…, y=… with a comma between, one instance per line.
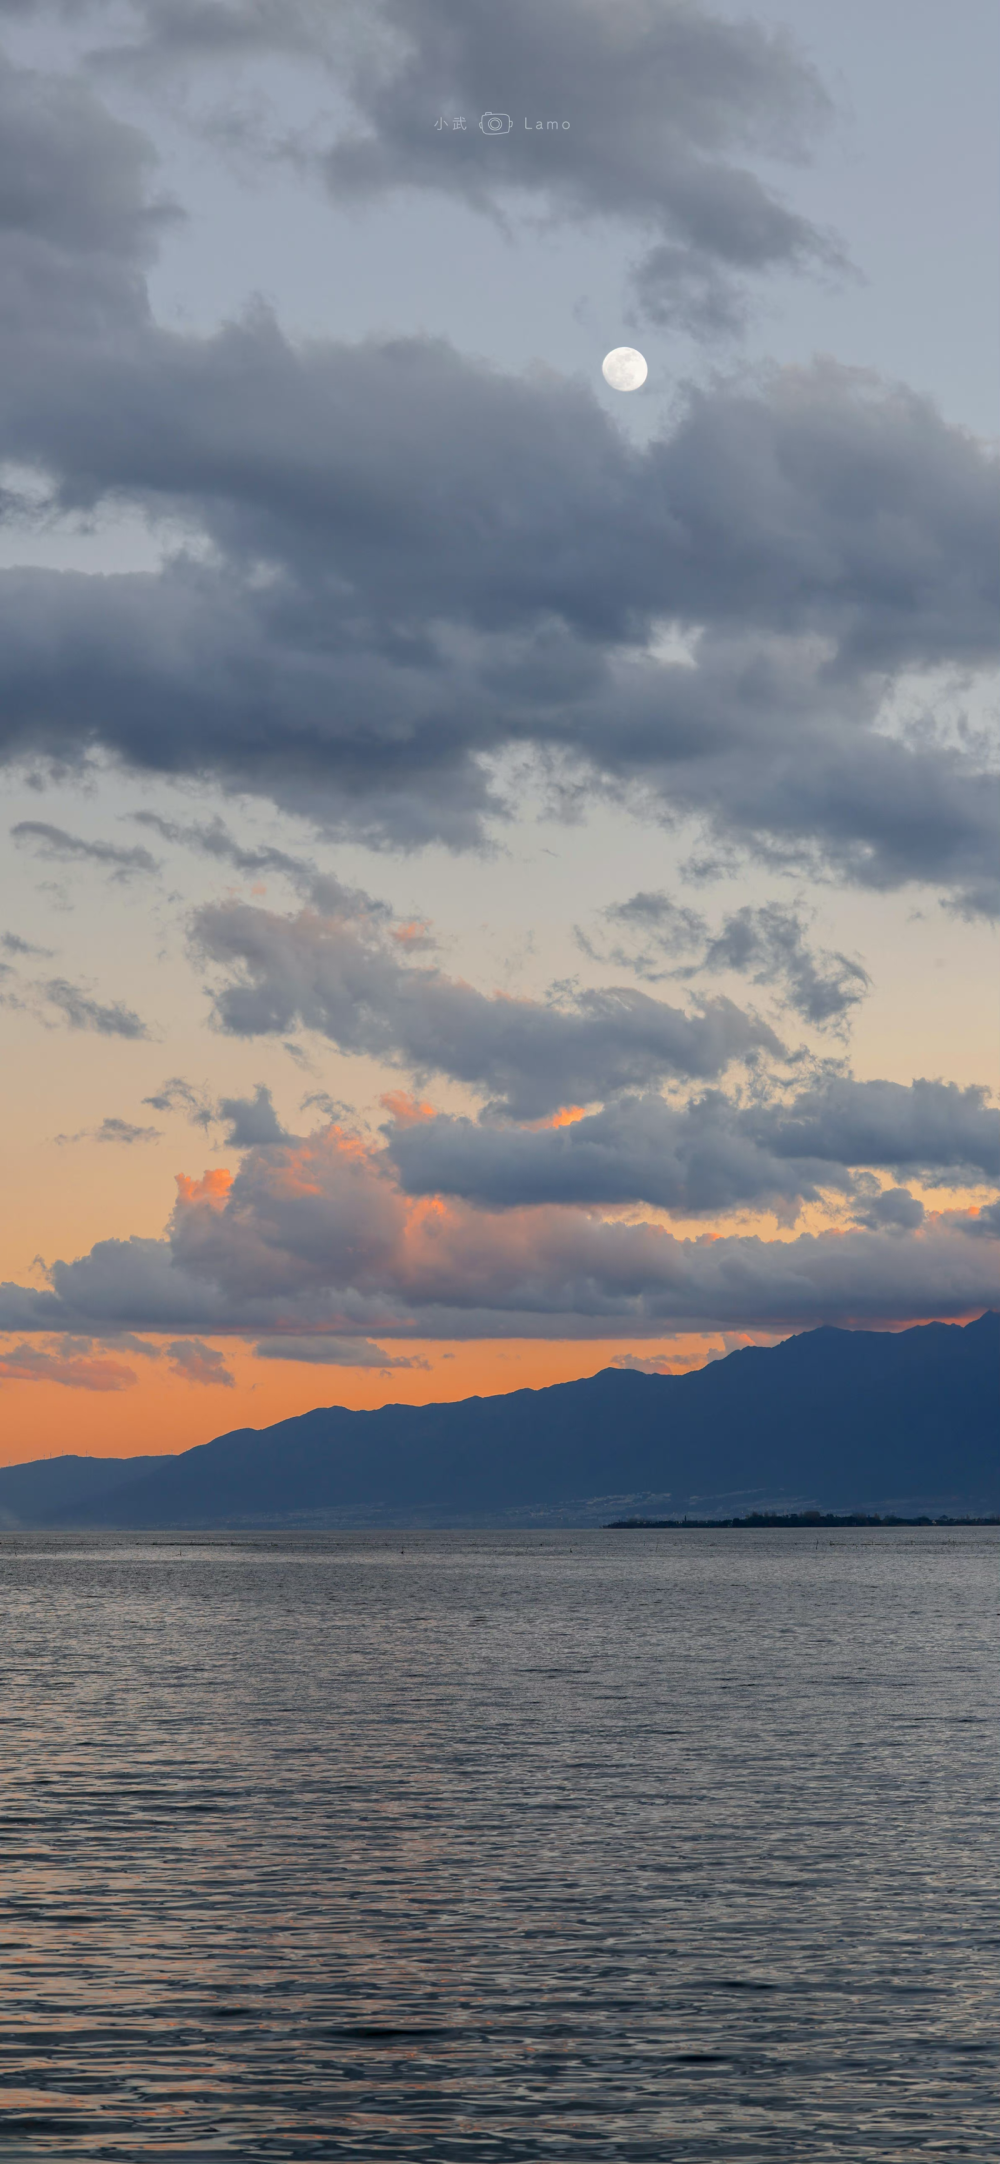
x=316, y=1238
x=75, y=1371
x=566, y=1116
x=211, y=1191
x=404, y=1109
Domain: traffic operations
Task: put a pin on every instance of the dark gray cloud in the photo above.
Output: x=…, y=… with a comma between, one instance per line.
x=767, y=944
x=349, y=979
x=12, y=943
x=656, y=116
x=74, y=181
x=985, y=1224
x=81, y=1011
x=211, y=838
x=178, y=1095
x=694, y=1160
x=316, y=1237
x=482, y=609
x=418, y=564
x=895, y=1208
x=154, y=34
x=117, y=1130
x=929, y=1129
x=658, y=101
x=113, y=1129
x=713, y=1154
x=251, y=1120
x=658, y=926
x=58, y=847
x=321, y=1101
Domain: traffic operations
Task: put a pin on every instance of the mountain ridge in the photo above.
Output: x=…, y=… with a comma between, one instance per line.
x=828, y=1418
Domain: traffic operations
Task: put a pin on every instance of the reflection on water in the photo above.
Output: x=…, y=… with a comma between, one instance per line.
x=576, y=1846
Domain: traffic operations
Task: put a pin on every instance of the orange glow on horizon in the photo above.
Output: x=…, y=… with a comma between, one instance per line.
x=162, y=1413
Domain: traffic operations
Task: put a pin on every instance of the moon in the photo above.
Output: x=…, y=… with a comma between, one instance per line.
x=624, y=368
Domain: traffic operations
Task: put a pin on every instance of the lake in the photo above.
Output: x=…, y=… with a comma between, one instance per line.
x=658, y=1845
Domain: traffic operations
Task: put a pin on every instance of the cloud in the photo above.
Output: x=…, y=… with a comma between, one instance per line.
x=674, y=927
x=116, y=1130
x=656, y=101
x=177, y=1094
x=12, y=943
x=895, y=1208
x=73, y=181
x=767, y=944
x=655, y=1364
x=347, y=978
x=322, y=1101
x=112, y=1129
x=413, y=567
x=198, y=1363
x=125, y=1341
x=340, y=1352
x=981, y=1224
x=252, y=1120
x=654, y=113
x=693, y=1160
x=249, y=1121
x=403, y=1109
x=62, y=848
x=928, y=1128
x=317, y=1237
x=711, y=1154
x=81, y=1011
x=211, y=838
x=75, y=1369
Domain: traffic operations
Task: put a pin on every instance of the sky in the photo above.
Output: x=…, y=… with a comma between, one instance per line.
x=500, y=875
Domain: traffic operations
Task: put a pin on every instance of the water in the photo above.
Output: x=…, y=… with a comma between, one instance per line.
x=569, y=1846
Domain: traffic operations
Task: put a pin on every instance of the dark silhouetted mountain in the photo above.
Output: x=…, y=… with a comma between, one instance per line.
x=30, y=1493
x=846, y=1419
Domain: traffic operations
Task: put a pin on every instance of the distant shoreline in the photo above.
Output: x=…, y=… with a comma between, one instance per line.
x=765, y=1520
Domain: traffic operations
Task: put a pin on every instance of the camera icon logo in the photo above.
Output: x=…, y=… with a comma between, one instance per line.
x=495, y=123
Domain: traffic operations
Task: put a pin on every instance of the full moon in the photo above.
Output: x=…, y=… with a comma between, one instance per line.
x=624, y=368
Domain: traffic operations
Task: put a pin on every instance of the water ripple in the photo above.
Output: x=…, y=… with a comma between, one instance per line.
x=637, y=1846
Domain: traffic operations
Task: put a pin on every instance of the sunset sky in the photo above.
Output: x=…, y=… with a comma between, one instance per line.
x=500, y=874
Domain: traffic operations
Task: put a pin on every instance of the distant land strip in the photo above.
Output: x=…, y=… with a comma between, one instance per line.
x=768, y=1518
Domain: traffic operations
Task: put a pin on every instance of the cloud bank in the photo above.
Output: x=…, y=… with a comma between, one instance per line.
x=411, y=567
x=317, y=1237
x=711, y=1154
x=657, y=116
x=349, y=977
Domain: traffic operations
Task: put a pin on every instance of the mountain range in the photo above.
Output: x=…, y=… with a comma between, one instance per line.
x=833, y=1419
